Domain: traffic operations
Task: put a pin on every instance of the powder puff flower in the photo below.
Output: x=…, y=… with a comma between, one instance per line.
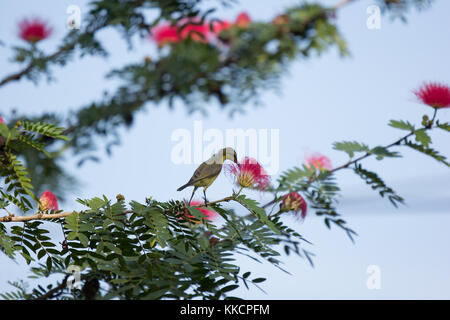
x=195, y=31
x=207, y=214
x=48, y=201
x=219, y=26
x=436, y=95
x=34, y=30
x=294, y=202
x=249, y=174
x=318, y=161
x=243, y=20
x=167, y=33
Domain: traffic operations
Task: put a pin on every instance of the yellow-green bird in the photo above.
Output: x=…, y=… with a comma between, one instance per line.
x=208, y=171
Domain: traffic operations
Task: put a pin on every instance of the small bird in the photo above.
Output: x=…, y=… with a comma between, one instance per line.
x=208, y=171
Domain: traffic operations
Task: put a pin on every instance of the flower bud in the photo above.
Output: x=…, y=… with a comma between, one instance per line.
x=294, y=202
x=48, y=201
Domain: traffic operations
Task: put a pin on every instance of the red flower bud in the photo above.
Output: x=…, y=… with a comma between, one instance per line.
x=294, y=202
x=48, y=201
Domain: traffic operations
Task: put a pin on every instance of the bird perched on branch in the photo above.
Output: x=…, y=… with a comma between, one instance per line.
x=208, y=171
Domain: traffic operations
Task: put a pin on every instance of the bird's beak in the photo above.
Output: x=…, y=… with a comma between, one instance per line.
x=235, y=158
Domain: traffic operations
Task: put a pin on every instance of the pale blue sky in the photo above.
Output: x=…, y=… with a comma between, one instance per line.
x=322, y=100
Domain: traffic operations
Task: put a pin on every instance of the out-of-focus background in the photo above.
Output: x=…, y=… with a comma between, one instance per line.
x=322, y=100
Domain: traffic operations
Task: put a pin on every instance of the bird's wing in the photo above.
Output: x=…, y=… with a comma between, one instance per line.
x=205, y=171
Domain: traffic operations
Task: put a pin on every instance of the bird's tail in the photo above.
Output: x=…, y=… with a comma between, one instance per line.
x=182, y=187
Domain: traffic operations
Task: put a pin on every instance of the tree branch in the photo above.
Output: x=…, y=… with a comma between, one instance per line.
x=349, y=163
x=50, y=294
x=18, y=75
x=48, y=216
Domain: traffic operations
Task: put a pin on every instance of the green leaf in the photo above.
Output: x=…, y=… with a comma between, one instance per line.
x=96, y=203
x=422, y=137
x=382, y=152
x=4, y=131
x=399, y=124
x=377, y=184
x=229, y=288
x=45, y=129
x=49, y=263
x=83, y=239
x=428, y=151
x=41, y=253
x=350, y=147
x=260, y=213
x=443, y=126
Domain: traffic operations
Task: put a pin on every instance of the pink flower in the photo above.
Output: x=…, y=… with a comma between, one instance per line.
x=294, y=202
x=249, y=174
x=167, y=33
x=34, y=30
x=207, y=214
x=219, y=26
x=48, y=201
x=195, y=31
x=2, y=121
x=318, y=161
x=436, y=95
x=243, y=20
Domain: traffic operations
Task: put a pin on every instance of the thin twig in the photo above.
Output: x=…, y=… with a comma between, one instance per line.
x=349, y=163
x=18, y=75
x=53, y=291
x=343, y=3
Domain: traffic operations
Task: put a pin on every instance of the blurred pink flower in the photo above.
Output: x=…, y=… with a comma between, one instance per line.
x=243, y=20
x=48, y=201
x=207, y=214
x=318, y=161
x=2, y=121
x=165, y=33
x=34, y=30
x=195, y=31
x=219, y=26
x=187, y=28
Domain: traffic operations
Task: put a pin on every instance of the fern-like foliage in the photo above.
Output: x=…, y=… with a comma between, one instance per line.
x=24, y=136
x=153, y=250
x=428, y=151
x=377, y=184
